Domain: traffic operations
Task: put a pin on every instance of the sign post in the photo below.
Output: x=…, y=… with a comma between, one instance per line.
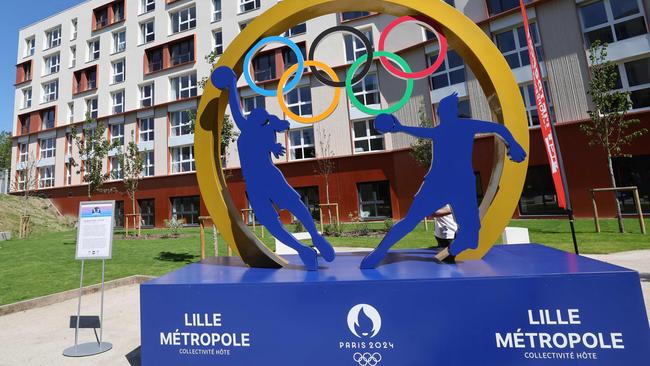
x=94, y=242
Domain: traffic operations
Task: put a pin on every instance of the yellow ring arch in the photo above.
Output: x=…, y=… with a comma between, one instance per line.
x=478, y=52
x=314, y=119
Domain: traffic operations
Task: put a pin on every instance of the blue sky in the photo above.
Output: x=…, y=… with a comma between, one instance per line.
x=16, y=15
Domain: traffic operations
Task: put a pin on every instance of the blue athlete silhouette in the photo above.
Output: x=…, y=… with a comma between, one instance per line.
x=265, y=184
x=450, y=179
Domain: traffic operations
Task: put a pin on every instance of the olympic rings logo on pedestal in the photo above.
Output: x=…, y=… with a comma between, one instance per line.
x=363, y=64
x=367, y=359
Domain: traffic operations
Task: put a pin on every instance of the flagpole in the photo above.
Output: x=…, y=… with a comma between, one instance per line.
x=547, y=127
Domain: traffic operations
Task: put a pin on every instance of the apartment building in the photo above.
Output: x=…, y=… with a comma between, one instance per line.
x=136, y=66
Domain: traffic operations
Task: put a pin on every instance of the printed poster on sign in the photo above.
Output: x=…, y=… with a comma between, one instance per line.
x=95, y=230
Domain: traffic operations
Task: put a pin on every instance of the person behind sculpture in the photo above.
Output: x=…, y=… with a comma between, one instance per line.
x=445, y=226
x=453, y=141
x=265, y=184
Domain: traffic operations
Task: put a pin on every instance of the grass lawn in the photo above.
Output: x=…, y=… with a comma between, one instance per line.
x=45, y=264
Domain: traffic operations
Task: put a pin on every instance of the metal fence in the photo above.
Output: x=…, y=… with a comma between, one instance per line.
x=4, y=182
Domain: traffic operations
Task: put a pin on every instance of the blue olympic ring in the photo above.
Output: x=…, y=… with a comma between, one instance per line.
x=292, y=84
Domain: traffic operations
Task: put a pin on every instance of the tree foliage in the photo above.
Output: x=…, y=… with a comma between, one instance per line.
x=422, y=149
x=93, y=146
x=5, y=150
x=609, y=126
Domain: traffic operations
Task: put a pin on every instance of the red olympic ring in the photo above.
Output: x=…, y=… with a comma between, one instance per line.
x=426, y=22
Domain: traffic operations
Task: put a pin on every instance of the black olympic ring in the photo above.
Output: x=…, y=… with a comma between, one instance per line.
x=367, y=359
x=322, y=77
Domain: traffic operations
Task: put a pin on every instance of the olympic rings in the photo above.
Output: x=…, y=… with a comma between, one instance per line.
x=374, y=112
x=313, y=119
x=367, y=358
x=424, y=21
x=357, y=33
x=249, y=56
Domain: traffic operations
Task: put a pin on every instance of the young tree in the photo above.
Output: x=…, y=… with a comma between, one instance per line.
x=422, y=149
x=5, y=150
x=93, y=147
x=325, y=162
x=131, y=162
x=609, y=126
x=26, y=181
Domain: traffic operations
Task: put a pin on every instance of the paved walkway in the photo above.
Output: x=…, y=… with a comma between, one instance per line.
x=37, y=337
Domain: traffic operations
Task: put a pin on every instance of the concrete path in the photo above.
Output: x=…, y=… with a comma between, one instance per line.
x=37, y=337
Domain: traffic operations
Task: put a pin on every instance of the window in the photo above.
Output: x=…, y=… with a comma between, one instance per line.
x=351, y=15
x=354, y=47
x=147, y=6
x=367, y=90
x=21, y=178
x=27, y=97
x=73, y=56
x=635, y=78
x=53, y=38
x=183, y=20
x=539, y=197
x=117, y=133
x=91, y=107
x=52, y=64
x=116, y=168
x=218, y=42
x=181, y=123
x=119, y=42
x=366, y=138
x=47, y=148
x=251, y=103
x=119, y=213
x=612, y=20
x=310, y=197
x=118, y=71
x=514, y=47
x=46, y=177
x=264, y=67
x=182, y=159
x=148, y=164
x=528, y=93
x=451, y=72
x=71, y=112
x=183, y=86
x=93, y=50
x=147, y=32
x=67, y=179
x=101, y=18
x=73, y=29
x=500, y=6
x=25, y=124
x=216, y=10
x=68, y=143
x=243, y=25
x=147, y=212
x=146, y=95
x=299, y=101
x=85, y=80
x=30, y=46
x=118, y=12
x=50, y=91
x=186, y=209
x=24, y=72
x=374, y=200
x=155, y=58
x=289, y=58
x=146, y=129
x=302, y=143
x=182, y=52
x=299, y=29
x=464, y=108
x=117, y=100
x=633, y=172
x=23, y=152
x=248, y=5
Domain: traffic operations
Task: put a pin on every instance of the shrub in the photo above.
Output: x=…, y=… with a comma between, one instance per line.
x=174, y=226
x=298, y=228
x=388, y=224
x=331, y=230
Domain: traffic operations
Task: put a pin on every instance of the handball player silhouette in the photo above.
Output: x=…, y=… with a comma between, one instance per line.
x=265, y=184
x=450, y=179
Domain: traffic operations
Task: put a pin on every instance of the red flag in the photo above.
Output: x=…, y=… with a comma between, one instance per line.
x=544, y=114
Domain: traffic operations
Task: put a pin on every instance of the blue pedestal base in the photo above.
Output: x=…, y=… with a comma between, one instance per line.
x=521, y=305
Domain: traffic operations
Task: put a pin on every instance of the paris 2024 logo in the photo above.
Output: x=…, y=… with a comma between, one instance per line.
x=365, y=323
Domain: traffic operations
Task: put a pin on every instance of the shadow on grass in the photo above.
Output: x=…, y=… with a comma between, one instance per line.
x=175, y=257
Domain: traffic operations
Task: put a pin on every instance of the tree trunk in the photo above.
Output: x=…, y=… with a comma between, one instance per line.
x=619, y=214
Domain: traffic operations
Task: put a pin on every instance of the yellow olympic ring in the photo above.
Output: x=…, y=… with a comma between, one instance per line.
x=313, y=119
x=465, y=37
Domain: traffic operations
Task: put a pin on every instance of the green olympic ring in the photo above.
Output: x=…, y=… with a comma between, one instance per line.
x=375, y=112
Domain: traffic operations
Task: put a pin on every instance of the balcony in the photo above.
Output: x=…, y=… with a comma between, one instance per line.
x=84, y=80
x=24, y=72
x=173, y=54
x=108, y=15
